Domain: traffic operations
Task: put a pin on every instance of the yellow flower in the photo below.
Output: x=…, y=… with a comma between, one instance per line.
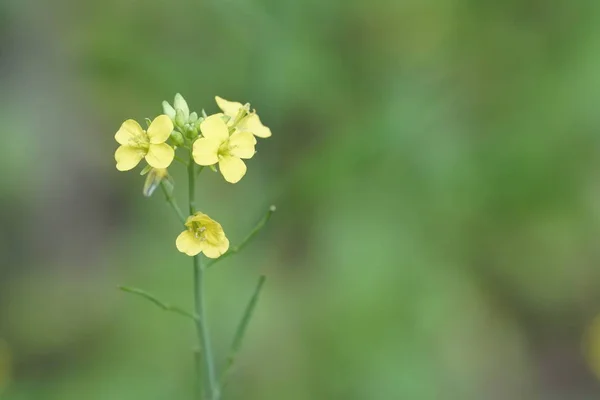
x=137, y=143
x=203, y=234
x=250, y=123
x=218, y=147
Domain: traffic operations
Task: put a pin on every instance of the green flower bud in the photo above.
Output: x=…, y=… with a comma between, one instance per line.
x=193, y=117
x=180, y=119
x=181, y=104
x=191, y=132
x=177, y=138
x=168, y=110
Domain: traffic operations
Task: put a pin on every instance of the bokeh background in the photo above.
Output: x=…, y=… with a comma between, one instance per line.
x=436, y=168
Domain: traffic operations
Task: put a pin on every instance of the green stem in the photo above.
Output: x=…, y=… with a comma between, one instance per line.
x=199, y=370
x=159, y=303
x=210, y=381
x=241, y=330
x=251, y=235
x=172, y=203
x=192, y=186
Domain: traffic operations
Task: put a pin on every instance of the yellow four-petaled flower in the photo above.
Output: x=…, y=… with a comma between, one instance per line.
x=217, y=146
x=137, y=143
x=250, y=123
x=203, y=235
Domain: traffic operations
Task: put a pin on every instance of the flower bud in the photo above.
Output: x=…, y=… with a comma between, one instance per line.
x=177, y=138
x=155, y=177
x=180, y=119
x=190, y=131
x=181, y=104
x=169, y=110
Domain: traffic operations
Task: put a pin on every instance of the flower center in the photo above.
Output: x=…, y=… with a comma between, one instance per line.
x=224, y=149
x=198, y=231
x=241, y=114
x=140, y=141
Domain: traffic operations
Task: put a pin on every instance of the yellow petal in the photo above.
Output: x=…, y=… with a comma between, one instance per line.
x=188, y=243
x=232, y=168
x=197, y=217
x=252, y=124
x=128, y=157
x=128, y=131
x=205, y=151
x=160, y=129
x=160, y=155
x=214, y=232
x=203, y=219
x=241, y=144
x=212, y=251
x=215, y=128
x=230, y=108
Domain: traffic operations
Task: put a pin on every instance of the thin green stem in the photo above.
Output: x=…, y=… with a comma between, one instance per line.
x=199, y=370
x=241, y=330
x=251, y=235
x=159, y=303
x=171, y=200
x=192, y=185
x=210, y=382
x=180, y=160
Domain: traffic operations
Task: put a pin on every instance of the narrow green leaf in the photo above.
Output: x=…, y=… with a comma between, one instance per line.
x=241, y=329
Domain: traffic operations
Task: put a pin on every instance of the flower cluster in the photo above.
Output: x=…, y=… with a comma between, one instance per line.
x=223, y=139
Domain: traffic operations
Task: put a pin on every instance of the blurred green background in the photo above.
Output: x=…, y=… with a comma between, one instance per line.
x=435, y=164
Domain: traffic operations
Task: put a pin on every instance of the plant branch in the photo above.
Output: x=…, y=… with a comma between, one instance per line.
x=191, y=186
x=241, y=330
x=157, y=302
x=244, y=243
x=180, y=160
x=210, y=382
x=171, y=200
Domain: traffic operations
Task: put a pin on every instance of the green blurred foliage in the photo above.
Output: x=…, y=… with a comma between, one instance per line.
x=435, y=167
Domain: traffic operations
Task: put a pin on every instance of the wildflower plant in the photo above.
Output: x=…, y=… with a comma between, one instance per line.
x=220, y=140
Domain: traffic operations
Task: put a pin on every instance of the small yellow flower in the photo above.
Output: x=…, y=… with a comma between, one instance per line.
x=250, y=123
x=203, y=234
x=137, y=143
x=218, y=147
